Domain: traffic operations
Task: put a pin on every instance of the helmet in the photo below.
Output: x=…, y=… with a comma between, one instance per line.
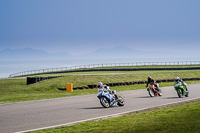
x=149, y=78
x=177, y=78
x=99, y=85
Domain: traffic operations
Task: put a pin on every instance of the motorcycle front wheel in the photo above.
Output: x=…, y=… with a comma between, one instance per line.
x=179, y=92
x=104, y=102
x=151, y=93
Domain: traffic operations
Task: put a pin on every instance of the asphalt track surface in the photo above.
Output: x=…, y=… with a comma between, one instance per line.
x=41, y=114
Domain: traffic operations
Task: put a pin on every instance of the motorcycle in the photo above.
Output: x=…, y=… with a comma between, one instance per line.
x=107, y=99
x=181, y=89
x=153, y=90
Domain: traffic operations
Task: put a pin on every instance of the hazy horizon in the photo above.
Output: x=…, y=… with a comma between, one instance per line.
x=81, y=27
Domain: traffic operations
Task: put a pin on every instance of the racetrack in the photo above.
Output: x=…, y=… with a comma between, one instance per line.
x=23, y=116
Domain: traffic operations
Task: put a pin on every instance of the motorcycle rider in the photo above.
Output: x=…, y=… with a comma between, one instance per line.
x=151, y=81
x=102, y=87
x=177, y=80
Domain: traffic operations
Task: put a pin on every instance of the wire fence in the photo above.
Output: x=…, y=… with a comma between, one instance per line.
x=104, y=65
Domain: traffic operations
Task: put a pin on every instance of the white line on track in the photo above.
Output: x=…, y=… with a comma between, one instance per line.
x=101, y=117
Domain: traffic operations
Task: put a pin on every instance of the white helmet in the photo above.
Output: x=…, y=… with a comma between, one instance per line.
x=99, y=85
x=177, y=78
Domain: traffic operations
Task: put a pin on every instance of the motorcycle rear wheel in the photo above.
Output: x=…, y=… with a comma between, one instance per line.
x=159, y=92
x=120, y=101
x=187, y=93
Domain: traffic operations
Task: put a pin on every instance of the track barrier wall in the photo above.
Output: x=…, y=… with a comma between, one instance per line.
x=32, y=80
x=129, y=83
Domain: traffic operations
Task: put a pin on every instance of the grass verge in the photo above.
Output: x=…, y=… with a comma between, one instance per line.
x=25, y=94
x=183, y=118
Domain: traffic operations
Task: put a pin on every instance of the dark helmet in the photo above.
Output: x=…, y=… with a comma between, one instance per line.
x=149, y=78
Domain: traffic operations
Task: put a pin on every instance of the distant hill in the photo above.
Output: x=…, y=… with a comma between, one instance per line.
x=119, y=52
x=125, y=52
x=30, y=54
x=115, y=52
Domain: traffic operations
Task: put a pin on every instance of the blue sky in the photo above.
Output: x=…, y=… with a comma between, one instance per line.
x=82, y=26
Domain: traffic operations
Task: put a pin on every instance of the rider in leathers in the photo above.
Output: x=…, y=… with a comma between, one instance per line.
x=177, y=80
x=102, y=87
x=151, y=81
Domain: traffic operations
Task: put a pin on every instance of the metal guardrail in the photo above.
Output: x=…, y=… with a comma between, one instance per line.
x=103, y=65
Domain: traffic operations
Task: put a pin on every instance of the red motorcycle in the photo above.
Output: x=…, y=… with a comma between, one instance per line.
x=154, y=91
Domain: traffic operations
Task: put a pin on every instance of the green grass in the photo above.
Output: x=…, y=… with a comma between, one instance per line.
x=166, y=120
x=16, y=90
x=184, y=118
x=19, y=91
x=81, y=80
